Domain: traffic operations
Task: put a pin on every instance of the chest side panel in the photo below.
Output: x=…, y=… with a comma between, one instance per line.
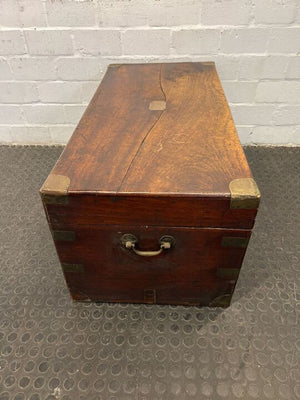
x=203, y=264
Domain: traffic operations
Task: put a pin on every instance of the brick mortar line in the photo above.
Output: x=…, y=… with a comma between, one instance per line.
x=55, y=28
x=145, y=57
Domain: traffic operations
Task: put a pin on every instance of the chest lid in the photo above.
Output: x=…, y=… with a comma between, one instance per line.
x=157, y=130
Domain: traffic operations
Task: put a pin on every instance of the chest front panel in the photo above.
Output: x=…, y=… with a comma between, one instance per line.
x=201, y=265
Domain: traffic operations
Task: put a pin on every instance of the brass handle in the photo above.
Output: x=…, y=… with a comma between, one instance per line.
x=129, y=241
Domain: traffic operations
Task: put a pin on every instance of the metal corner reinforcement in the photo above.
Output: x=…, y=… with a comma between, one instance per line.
x=72, y=267
x=244, y=194
x=56, y=184
x=63, y=236
x=221, y=301
x=55, y=189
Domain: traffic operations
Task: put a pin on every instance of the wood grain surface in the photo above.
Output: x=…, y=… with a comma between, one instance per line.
x=188, y=273
x=193, y=211
x=153, y=155
x=156, y=129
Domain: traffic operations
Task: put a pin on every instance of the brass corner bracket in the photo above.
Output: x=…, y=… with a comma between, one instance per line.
x=244, y=194
x=63, y=236
x=221, y=301
x=72, y=267
x=114, y=65
x=55, y=189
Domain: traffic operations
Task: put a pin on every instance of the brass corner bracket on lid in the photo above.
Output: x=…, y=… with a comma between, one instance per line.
x=55, y=189
x=244, y=194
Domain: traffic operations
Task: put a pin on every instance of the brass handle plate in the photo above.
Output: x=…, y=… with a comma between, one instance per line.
x=130, y=241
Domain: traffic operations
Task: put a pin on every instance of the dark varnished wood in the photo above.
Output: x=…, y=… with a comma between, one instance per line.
x=89, y=210
x=121, y=146
x=113, y=273
x=153, y=155
x=112, y=129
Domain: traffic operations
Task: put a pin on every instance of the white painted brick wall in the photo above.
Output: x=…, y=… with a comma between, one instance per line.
x=66, y=92
x=53, y=53
x=19, y=92
x=12, y=42
x=196, y=41
x=293, y=70
x=33, y=68
x=274, y=11
x=245, y=40
x=97, y=42
x=48, y=43
x=31, y=13
x=71, y=13
x=278, y=92
x=80, y=68
x=226, y=12
x=146, y=41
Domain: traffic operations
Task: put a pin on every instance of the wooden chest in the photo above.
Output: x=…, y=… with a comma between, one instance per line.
x=152, y=200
